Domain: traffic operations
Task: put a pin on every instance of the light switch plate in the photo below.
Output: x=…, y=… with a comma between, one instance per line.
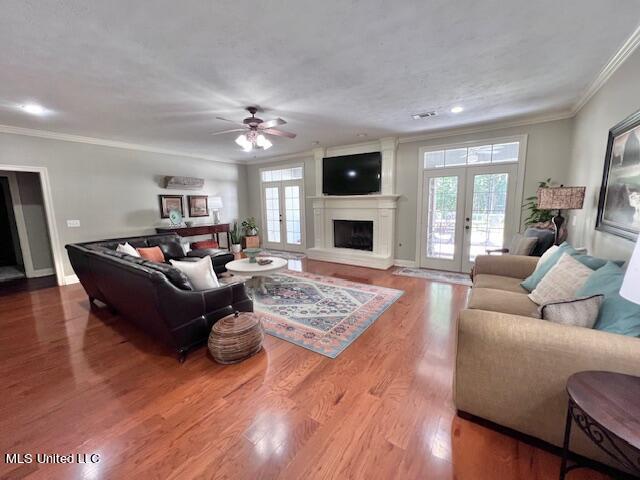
x=73, y=223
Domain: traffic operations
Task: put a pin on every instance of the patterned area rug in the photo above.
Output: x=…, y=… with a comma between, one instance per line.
x=435, y=275
x=322, y=314
x=278, y=253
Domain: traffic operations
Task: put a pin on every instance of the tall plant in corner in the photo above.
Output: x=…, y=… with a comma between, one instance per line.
x=236, y=238
x=534, y=214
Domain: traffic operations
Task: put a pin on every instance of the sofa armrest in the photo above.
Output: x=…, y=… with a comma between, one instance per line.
x=513, y=371
x=516, y=266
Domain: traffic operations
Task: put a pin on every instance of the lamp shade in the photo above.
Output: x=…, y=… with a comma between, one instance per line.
x=215, y=203
x=561, y=198
x=631, y=284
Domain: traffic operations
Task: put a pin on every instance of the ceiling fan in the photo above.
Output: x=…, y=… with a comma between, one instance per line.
x=254, y=129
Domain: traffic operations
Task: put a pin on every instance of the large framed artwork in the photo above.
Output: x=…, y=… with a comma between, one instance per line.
x=619, y=204
x=169, y=203
x=198, y=205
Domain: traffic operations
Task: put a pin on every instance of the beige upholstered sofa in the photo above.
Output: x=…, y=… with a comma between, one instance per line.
x=512, y=368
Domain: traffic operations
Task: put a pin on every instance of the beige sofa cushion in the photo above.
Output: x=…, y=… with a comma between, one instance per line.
x=502, y=301
x=498, y=282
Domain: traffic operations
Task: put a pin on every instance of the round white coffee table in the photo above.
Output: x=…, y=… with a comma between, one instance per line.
x=256, y=271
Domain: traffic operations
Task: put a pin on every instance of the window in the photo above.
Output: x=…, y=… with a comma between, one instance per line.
x=473, y=155
x=278, y=175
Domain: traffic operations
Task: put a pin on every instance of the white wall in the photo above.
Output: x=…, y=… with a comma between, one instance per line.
x=548, y=153
x=618, y=98
x=113, y=191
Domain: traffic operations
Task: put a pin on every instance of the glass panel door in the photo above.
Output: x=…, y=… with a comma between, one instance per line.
x=488, y=215
x=441, y=226
x=293, y=217
x=273, y=216
x=283, y=215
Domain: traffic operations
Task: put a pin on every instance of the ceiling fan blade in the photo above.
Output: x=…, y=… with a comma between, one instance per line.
x=271, y=123
x=229, y=131
x=279, y=133
x=230, y=121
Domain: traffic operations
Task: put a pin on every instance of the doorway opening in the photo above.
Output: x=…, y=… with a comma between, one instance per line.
x=25, y=248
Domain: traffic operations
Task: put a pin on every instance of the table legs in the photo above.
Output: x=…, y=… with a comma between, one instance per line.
x=565, y=444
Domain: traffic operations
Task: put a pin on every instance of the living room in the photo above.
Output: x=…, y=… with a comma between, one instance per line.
x=337, y=241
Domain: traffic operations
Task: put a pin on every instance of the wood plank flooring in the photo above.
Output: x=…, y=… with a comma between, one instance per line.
x=81, y=381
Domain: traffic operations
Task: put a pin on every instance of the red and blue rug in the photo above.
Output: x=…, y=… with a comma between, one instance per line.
x=322, y=314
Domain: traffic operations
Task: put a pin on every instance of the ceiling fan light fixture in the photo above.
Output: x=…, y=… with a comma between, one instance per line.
x=243, y=142
x=263, y=142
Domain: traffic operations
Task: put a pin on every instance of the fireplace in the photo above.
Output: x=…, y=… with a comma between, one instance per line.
x=356, y=234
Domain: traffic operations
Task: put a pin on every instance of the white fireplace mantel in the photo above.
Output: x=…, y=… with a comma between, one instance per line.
x=378, y=208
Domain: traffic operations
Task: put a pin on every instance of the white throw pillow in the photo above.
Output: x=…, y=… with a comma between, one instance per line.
x=200, y=273
x=580, y=312
x=561, y=282
x=128, y=249
x=545, y=256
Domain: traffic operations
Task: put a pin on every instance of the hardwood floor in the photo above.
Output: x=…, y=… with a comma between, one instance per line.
x=81, y=381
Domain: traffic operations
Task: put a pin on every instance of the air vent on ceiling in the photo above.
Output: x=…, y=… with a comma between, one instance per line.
x=418, y=116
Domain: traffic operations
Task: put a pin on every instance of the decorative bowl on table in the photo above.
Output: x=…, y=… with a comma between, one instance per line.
x=252, y=253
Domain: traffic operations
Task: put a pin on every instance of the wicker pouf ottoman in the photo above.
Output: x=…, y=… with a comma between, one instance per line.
x=236, y=337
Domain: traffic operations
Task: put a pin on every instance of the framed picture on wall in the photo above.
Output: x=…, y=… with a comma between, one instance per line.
x=198, y=205
x=169, y=203
x=619, y=203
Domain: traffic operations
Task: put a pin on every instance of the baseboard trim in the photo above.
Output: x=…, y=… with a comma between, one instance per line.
x=71, y=279
x=546, y=446
x=398, y=262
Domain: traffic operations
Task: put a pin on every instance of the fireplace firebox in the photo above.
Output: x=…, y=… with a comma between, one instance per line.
x=356, y=234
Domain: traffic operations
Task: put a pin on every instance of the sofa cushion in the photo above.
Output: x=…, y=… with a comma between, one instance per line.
x=200, y=273
x=171, y=246
x=207, y=252
x=153, y=254
x=532, y=281
x=580, y=312
x=175, y=276
x=498, y=282
x=502, y=301
x=617, y=315
x=562, y=281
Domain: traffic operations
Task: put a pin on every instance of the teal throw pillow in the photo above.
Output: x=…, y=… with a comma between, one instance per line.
x=617, y=315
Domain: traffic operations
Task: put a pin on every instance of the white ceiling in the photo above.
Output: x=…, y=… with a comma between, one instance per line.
x=157, y=73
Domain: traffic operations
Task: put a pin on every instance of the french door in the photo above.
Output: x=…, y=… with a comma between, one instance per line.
x=466, y=211
x=283, y=215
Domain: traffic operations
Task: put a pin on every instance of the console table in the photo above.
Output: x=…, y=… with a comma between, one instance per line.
x=214, y=230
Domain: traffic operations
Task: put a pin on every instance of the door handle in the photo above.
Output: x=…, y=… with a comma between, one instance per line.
x=466, y=227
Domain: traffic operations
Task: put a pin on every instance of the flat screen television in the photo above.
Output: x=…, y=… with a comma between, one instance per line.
x=352, y=174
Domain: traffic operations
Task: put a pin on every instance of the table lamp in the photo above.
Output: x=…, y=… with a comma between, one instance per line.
x=560, y=198
x=631, y=284
x=215, y=204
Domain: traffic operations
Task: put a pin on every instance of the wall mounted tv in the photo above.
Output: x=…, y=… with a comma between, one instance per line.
x=352, y=174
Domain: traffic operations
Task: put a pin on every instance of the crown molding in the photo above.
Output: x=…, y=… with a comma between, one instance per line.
x=65, y=137
x=614, y=63
x=486, y=127
x=281, y=158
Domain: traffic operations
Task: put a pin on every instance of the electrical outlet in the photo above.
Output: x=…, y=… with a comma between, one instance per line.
x=73, y=223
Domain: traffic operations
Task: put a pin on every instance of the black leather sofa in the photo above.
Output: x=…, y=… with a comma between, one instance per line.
x=157, y=297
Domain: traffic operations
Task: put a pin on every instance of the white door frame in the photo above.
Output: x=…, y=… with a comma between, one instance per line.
x=263, y=214
x=522, y=161
x=54, y=241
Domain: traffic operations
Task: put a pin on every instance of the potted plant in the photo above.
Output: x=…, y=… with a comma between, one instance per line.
x=535, y=216
x=236, y=238
x=250, y=227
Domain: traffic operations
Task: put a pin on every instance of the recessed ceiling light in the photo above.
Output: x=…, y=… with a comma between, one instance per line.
x=457, y=109
x=361, y=135
x=33, y=109
x=420, y=116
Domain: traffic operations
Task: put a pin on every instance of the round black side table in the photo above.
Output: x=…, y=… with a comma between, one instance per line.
x=606, y=407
